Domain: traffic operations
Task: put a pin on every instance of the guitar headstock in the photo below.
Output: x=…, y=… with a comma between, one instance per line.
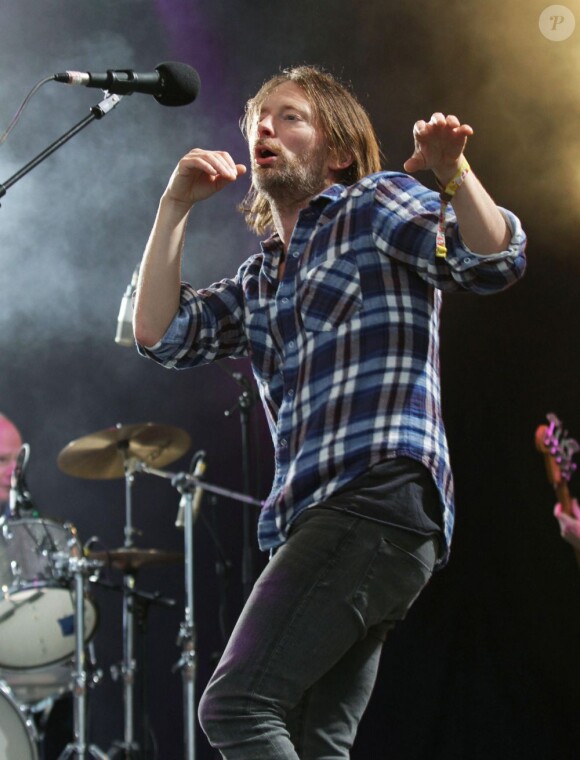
x=558, y=449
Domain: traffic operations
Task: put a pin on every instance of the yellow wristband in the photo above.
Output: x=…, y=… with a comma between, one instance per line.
x=446, y=195
x=457, y=180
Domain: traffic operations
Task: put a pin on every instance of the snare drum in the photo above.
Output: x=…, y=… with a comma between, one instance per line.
x=17, y=732
x=36, y=604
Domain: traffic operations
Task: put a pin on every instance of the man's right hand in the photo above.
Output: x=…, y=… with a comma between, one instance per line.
x=569, y=524
x=200, y=174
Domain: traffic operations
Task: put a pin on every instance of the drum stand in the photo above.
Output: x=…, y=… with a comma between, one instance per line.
x=80, y=567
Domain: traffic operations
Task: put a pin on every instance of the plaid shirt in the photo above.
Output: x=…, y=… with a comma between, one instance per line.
x=345, y=349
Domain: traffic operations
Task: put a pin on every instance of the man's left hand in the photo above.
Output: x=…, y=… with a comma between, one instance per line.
x=439, y=146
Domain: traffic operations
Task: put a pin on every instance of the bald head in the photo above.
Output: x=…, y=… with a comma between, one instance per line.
x=10, y=443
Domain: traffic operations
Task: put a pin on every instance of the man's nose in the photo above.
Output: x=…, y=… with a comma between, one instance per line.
x=6, y=472
x=265, y=126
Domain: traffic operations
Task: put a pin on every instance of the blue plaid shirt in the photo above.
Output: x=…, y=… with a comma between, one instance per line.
x=345, y=348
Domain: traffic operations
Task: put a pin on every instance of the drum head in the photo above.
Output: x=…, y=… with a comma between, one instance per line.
x=17, y=733
x=36, y=601
x=37, y=627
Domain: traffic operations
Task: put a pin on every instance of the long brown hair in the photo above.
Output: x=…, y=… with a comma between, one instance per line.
x=342, y=119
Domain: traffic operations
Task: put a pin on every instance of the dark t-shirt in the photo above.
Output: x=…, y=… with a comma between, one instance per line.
x=398, y=492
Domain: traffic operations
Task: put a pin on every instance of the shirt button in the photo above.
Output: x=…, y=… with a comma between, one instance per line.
x=467, y=259
x=283, y=443
x=291, y=392
x=284, y=300
x=296, y=254
x=291, y=344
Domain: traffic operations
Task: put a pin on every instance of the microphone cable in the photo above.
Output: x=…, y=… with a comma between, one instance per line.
x=22, y=106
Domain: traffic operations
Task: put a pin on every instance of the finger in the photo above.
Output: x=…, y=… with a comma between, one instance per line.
x=229, y=162
x=437, y=119
x=464, y=130
x=419, y=127
x=191, y=164
x=211, y=163
x=224, y=164
x=566, y=524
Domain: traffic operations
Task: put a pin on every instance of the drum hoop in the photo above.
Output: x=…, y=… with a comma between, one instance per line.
x=25, y=720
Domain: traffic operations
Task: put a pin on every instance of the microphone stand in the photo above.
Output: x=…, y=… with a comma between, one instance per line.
x=245, y=403
x=97, y=112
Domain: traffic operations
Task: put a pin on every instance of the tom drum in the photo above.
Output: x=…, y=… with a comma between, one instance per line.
x=36, y=603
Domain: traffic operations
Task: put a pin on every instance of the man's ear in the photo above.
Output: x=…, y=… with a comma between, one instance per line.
x=339, y=163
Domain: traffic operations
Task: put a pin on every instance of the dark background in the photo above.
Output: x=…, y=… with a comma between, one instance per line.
x=486, y=664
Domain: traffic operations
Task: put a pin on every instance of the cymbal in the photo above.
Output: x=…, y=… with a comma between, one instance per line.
x=132, y=558
x=102, y=455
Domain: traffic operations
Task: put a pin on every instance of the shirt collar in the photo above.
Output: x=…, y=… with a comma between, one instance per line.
x=320, y=201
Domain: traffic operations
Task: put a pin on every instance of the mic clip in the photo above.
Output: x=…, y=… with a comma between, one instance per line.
x=110, y=101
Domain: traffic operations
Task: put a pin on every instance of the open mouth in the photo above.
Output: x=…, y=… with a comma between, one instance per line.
x=264, y=156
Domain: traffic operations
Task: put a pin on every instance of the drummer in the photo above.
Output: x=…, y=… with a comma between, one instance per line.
x=10, y=445
x=56, y=726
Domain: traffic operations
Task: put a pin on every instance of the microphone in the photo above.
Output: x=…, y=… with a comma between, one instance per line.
x=171, y=84
x=19, y=494
x=200, y=467
x=124, y=336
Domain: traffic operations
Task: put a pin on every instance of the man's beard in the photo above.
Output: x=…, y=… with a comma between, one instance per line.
x=292, y=180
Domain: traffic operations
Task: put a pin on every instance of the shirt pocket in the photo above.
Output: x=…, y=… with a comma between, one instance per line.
x=331, y=294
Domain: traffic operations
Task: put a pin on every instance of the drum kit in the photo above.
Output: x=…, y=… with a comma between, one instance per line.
x=47, y=616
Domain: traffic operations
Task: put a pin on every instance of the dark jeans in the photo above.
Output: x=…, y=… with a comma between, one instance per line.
x=299, y=669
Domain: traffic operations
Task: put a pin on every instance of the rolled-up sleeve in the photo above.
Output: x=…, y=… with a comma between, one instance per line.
x=208, y=325
x=405, y=218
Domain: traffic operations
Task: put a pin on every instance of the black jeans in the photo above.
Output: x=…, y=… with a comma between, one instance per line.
x=299, y=669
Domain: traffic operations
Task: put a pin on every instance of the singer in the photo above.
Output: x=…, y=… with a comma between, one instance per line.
x=339, y=312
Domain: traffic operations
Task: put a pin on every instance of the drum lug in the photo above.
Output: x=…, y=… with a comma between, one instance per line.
x=16, y=571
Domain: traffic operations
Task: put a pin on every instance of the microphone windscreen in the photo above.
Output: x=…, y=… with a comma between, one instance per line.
x=180, y=84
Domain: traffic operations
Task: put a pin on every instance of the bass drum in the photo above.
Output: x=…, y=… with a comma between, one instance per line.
x=18, y=738
x=36, y=603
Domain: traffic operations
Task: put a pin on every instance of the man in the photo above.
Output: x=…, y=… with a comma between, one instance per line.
x=10, y=444
x=55, y=723
x=339, y=314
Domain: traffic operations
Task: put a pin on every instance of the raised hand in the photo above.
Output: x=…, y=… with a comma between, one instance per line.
x=439, y=146
x=200, y=174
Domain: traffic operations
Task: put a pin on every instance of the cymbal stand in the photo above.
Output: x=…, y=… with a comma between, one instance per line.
x=128, y=747
x=80, y=567
x=186, y=638
x=191, y=488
